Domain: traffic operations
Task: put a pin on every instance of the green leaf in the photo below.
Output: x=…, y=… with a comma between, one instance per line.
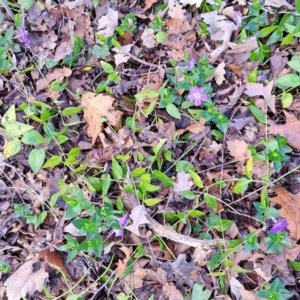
x=107, y=67
x=14, y=129
x=200, y=292
x=98, y=51
x=57, y=85
x=295, y=63
x=266, y=31
x=161, y=36
x=173, y=111
x=26, y=4
x=187, y=194
x=12, y=148
x=138, y=172
x=210, y=201
x=257, y=113
x=223, y=225
x=196, y=179
x=69, y=111
x=287, y=40
x=241, y=185
x=196, y=213
x=117, y=169
x=52, y=162
x=36, y=159
x=18, y=20
x=95, y=3
x=298, y=6
x=215, y=260
x=105, y=183
x=165, y=180
x=152, y=201
x=288, y=81
x=40, y=219
x=287, y=99
x=32, y=137
x=9, y=116
x=294, y=264
x=253, y=76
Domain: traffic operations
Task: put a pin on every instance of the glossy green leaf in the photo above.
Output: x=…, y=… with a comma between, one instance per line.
x=52, y=162
x=36, y=159
x=32, y=137
x=287, y=99
x=288, y=81
x=210, y=201
x=241, y=185
x=173, y=111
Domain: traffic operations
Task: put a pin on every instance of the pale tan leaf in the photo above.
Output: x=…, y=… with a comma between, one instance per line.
x=122, y=264
x=138, y=218
x=196, y=126
x=148, y=38
x=177, y=12
x=149, y=4
x=219, y=73
x=191, y=2
x=278, y=3
x=239, y=150
x=212, y=19
x=24, y=281
x=183, y=182
x=96, y=107
x=257, y=89
x=63, y=50
x=122, y=56
x=171, y=292
x=247, y=45
x=108, y=23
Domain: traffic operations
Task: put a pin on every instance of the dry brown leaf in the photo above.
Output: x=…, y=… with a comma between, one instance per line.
x=166, y=130
x=248, y=45
x=261, y=169
x=290, y=209
x=196, y=126
x=122, y=265
x=24, y=281
x=278, y=3
x=239, y=256
x=171, y=292
x=278, y=61
x=57, y=74
x=63, y=50
x=257, y=89
x=148, y=38
x=290, y=130
x=239, y=150
x=183, y=182
x=150, y=275
x=122, y=56
x=138, y=218
x=149, y=4
x=177, y=12
x=108, y=23
x=219, y=73
x=96, y=107
x=174, y=26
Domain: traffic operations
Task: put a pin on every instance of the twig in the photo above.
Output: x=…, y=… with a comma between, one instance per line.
x=7, y=8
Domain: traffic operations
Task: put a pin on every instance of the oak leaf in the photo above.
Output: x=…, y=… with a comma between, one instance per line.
x=25, y=281
x=148, y=38
x=290, y=209
x=149, y=4
x=122, y=264
x=290, y=130
x=138, y=218
x=122, y=54
x=238, y=149
x=183, y=183
x=108, y=23
x=96, y=107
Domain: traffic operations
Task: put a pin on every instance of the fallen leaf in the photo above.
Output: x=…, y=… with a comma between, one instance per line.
x=177, y=12
x=215, y=147
x=24, y=281
x=261, y=169
x=247, y=45
x=278, y=61
x=108, y=23
x=122, y=265
x=278, y=3
x=212, y=19
x=219, y=73
x=239, y=150
x=257, y=89
x=290, y=130
x=171, y=292
x=148, y=38
x=191, y=2
x=122, y=56
x=138, y=218
x=63, y=50
x=290, y=209
x=183, y=182
x=96, y=107
x=149, y=4
x=196, y=126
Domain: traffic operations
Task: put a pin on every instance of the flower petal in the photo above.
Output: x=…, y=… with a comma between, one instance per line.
x=279, y=226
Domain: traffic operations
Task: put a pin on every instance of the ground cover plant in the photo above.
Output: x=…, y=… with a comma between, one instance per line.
x=150, y=149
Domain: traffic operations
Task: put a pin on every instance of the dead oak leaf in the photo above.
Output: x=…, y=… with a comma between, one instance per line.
x=149, y=4
x=290, y=209
x=177, y=12
x=62, y=51
x=196, y=126
x=25, y=281
x=108, y=23
x=183, y=182
x=257, y=89
x=290, y=130
x=219, y=73
x=122, y=54
x=96, y=107
x=247, y=45
x=148, y=38
x=122, y=264
x=138, y=218
x=238, y=149
x=212, y=19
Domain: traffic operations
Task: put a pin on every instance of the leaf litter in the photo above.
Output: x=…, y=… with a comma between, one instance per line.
x=98, y=77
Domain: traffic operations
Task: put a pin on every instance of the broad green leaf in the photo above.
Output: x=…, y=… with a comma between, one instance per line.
x=187, y=194
x=152, y=201
x=196, y=213
x=200, y=292
x=36, y=159
x=210, y=201
x=215, y=260
x=173, y=111
x=223, y=225
x=16, y=129
x=287, y=40
x=164, y=179
x=26, y=4
x=241, y=185
x=138, y=172
x=9, y=116
x=161, y=36
x=40, y=219
x=298, y=6
x=253, y=76
x=52, y=162
x=117, y=169
x=266, y=31
x=294, y=264
x=105, y=183
x=69, y=111
x=294, y=63
x=32, y=137
x=288, y=81
x=107, y=67
x=258, y=114
x=196, y=179
x=12, y=148
x=287, y=99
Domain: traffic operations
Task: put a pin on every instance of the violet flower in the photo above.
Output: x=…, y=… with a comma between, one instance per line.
x=122, y=222
x=237, y=18
x=191, y=63
x=279, y=226
x=196, y=95
x=24, y=36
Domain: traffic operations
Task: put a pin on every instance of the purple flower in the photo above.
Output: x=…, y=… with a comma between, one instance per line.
x=237, y=18
x=191, y=63
x=122, y=222
x=24, y=36
x=196, y=95
x=279, y=226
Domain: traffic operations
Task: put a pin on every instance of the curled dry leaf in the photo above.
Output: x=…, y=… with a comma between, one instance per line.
x=122, y=54
x=290, y=209
x=96, y=107
x=122, y=264
x=219, y=73
x=108, y=23
x=138, y=218
x=25, y=281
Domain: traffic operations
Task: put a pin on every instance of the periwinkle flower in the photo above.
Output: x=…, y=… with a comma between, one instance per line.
x=279, y=226
x=191, y=63
x=197, y=95
x=24, y=36
x=237, y=18
x=122, y=222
